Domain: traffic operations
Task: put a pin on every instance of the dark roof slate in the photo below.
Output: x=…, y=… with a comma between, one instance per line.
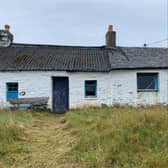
x=138, y=58
x=25, y=57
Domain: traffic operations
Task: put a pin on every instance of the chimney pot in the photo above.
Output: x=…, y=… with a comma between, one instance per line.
x=7, y=28
x=110, y=28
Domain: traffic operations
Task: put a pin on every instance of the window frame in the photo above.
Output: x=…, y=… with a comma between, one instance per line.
x=86, y=96
x=12, y=90
x=156, y=82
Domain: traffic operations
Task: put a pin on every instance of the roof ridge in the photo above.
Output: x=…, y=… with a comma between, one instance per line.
x=76, y=46
x=52, y=45
x=136, y=47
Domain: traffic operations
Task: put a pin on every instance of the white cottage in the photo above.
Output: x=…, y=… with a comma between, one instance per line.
x=75, y=76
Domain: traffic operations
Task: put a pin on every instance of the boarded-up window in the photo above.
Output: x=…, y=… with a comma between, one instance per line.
x=147, y=82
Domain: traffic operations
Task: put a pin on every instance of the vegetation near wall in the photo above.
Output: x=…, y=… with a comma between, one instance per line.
x=118, y=137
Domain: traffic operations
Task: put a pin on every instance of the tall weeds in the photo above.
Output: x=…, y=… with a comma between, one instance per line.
x=120, y=137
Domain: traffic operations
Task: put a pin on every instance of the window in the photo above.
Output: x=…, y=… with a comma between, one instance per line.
x=147, y=82
x=90, y=88
x=12, y=91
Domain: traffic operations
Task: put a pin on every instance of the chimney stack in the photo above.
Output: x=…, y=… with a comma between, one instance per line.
x=7, y=30
x=110, y=37
x=6, y=37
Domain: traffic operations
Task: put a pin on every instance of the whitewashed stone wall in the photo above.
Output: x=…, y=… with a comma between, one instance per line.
x=116, y=87
x=124, y=88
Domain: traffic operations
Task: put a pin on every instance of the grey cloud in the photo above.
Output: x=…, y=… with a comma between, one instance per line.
x=74, y=22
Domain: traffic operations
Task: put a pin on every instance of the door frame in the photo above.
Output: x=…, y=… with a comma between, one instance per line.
x=52, y=78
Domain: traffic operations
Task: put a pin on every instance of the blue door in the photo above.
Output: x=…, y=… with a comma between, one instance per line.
x=12, y=91
x=60, y=94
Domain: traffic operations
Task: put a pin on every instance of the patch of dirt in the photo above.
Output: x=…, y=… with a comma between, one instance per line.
x=48, y=142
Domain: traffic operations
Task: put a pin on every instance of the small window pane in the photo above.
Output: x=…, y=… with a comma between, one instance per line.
x=147, y=81
x=12, y=86
x=90, y=88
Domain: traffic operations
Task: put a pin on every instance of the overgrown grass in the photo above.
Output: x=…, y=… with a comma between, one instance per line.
x=120, y=137
x=12, y=134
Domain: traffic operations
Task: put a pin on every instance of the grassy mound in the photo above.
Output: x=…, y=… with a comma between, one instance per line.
x=120, y=137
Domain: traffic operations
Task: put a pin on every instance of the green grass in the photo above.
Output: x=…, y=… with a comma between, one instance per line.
x=11, y=134
x=120, y=137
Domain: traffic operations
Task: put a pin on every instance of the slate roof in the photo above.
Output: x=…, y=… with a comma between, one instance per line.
x=138, y=58
x=27, y=57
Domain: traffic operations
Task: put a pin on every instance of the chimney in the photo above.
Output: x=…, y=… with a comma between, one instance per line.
x=110, y=37
x=6, y=37
x=7, y=30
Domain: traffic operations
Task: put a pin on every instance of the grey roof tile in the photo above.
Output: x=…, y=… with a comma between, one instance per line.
x=138, y=58
x=26, y=57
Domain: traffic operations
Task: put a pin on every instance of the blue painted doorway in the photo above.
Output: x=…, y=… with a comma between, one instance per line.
x=60, y=94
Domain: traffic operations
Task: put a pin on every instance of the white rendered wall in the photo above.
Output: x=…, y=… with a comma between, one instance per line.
x=116, y=87
x=124, y=88
x=39, y=84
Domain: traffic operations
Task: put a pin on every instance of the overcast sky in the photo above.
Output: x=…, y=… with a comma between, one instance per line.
x=84, y=22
